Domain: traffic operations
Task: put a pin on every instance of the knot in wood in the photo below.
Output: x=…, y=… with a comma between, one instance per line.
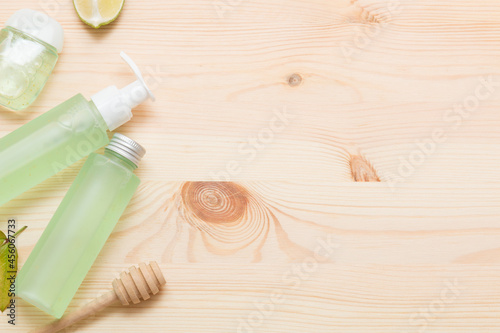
x=294, y=80
x=215, y=202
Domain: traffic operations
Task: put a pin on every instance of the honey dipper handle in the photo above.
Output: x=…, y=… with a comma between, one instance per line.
x=87, y=310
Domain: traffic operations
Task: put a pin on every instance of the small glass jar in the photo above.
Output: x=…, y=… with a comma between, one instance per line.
x=29, y=47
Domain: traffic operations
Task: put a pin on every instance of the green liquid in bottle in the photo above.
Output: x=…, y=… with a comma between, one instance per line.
x=25, y=66
x=65, y=134
x=48, y=144
x=76, y=234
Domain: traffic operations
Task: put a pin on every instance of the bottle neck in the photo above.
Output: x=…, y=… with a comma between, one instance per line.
x=120, y=159
x=98, y=116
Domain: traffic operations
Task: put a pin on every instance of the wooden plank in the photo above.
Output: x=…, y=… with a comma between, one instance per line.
x=281, y=222
x=362, y=257
x=219, y=81
x=333, y=298
x=298, y=103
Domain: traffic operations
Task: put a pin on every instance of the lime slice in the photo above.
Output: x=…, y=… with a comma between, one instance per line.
x=97, y=13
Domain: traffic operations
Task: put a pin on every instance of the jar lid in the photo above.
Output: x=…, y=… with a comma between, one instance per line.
x=38, y=25
x=127, y=148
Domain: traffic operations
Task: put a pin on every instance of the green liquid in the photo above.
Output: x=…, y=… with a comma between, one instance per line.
x=25, y=66
x=76, y=234
x=48, y=144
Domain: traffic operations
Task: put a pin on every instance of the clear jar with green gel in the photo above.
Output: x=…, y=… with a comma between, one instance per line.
x=80, y=227
x=29, y=47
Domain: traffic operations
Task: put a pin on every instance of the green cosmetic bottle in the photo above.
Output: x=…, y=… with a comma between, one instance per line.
x=64, y=135
x=80, y=227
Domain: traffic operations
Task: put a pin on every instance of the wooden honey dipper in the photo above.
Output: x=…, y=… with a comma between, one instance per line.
x=133, y=286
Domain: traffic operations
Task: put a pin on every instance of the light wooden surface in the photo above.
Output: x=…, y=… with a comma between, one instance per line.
x=417, y=249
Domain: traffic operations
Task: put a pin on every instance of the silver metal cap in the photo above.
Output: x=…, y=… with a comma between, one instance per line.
x=127, y=148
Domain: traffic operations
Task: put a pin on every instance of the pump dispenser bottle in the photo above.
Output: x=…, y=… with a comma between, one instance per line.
x=81, y=225
x=65, y=134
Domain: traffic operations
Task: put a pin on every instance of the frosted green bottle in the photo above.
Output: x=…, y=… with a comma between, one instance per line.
x=80, y=227
x=64, y=135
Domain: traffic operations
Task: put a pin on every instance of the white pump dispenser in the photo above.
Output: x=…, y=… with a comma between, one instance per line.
x=115, y=105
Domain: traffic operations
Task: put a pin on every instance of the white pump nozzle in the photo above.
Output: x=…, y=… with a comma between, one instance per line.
x=116, y=105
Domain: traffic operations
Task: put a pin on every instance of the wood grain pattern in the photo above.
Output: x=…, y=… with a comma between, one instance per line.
x=312, y=166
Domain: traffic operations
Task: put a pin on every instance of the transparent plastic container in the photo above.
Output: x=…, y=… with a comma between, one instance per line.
x=29, y=47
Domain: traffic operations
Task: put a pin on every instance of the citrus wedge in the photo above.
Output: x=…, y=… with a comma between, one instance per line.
x=97, y=13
